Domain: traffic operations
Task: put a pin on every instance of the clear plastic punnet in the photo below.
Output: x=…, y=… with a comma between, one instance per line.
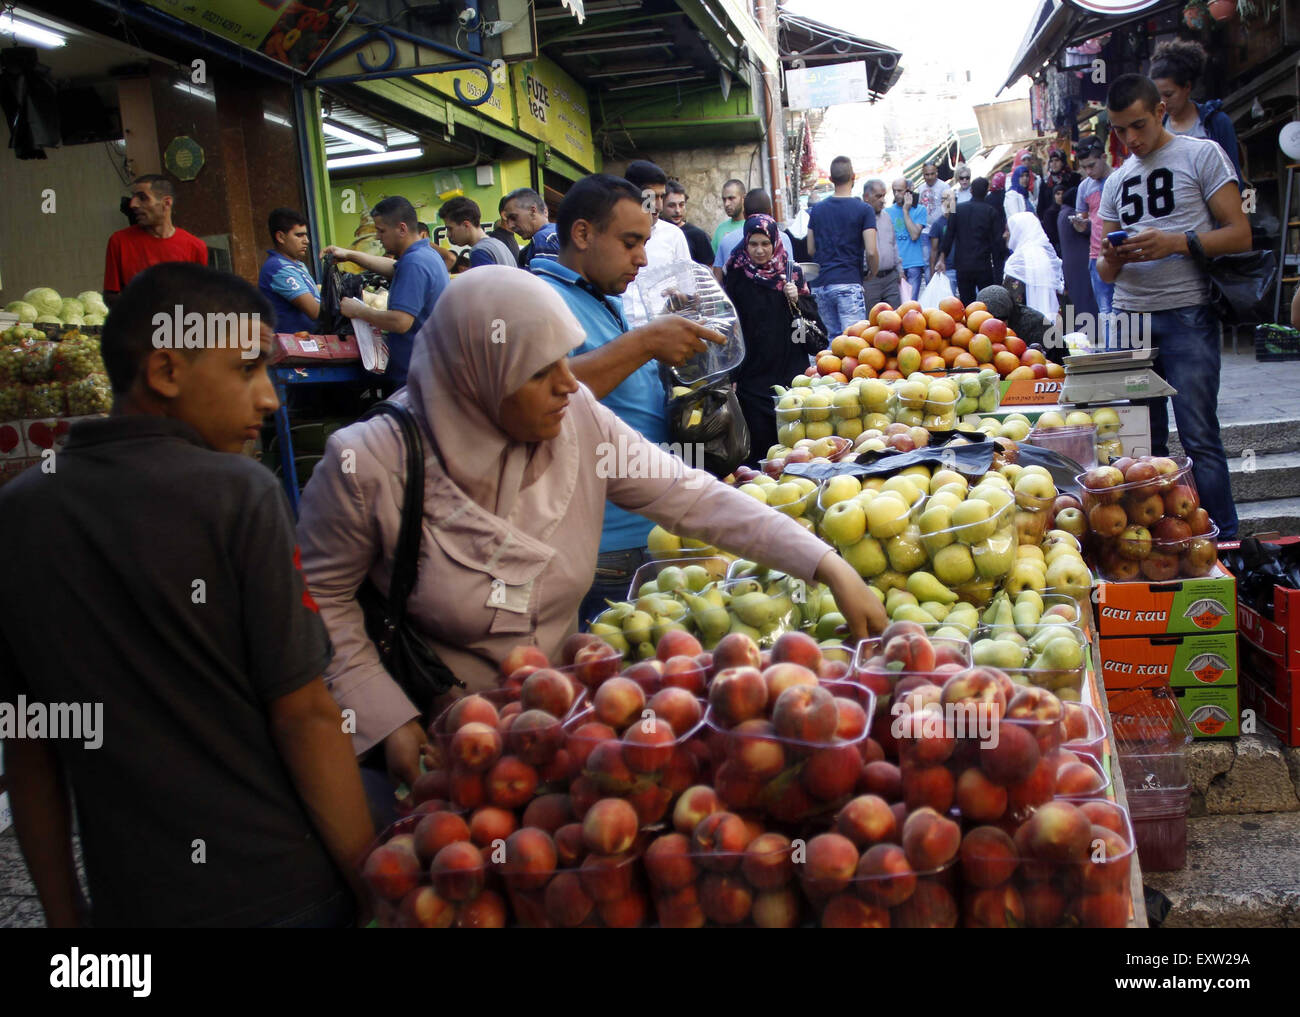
x=689, y=289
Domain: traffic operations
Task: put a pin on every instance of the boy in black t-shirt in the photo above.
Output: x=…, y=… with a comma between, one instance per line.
x=156, y=581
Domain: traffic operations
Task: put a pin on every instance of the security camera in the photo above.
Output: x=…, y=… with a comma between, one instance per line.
x=467, y=17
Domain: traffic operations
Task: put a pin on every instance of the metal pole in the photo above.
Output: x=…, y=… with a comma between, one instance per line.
x=773, y=111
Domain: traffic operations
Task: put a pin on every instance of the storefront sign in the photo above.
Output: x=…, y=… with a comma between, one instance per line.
x=500, y=105
x=184, y=158
x=291, y=32
x=553, y=108
x=829, y=85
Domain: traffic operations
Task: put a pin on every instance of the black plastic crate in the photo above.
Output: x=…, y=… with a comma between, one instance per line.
x=1276, y=342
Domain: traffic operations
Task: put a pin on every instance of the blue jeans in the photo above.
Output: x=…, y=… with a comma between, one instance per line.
x=840, y=305
x=614, y=572
x=1104, y=293
x=915, y=277
x=1187, y=356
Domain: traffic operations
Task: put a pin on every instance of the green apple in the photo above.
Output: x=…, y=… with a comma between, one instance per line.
x=912, y=418
x=803, y=483
x=818, y=429
x=790, y=432
x=801, y=381
x=953, y=564
x=994, y=557
x=1069, y=576
x=817, y=406
x=995, y=496
x=1033, y=491
x=936, y=526
x=844, y=523
x=1050, y=421
x=1016, y=430
x=919, y=476
x=903, y=486
x=787, y=498
x=867, y=557
x=887, y=515
x=972, y=521
x=755, y=491
x=944, y=477
x=827, y=625
x=1079, y=418
x=949, y=496
x=839, y=489
x=849, y=427
x=845, y=403
x=1062, y=653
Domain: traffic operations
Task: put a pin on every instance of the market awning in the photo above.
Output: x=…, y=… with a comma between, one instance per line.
x=804, y=42
x=1057, y=24
x=959, y=146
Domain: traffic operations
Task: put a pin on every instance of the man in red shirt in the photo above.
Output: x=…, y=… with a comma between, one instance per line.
x=154, y=237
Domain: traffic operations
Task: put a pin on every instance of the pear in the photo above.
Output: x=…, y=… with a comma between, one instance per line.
x=697, y=577
x=738, y=626
x=914, y=613
x=611, y=635
x=711, y=620
x=1026, y=613
x=895, y=599
x=926, y=587
x=615, y=614
x=891, y=580
x=953, y=565
x=663, y=626
x=756, y=610
x=827, y=624
x=934, y=607
x=637, y=627
x=951, y=632
x=999, y=653
x=905, y=552
x=662, y=544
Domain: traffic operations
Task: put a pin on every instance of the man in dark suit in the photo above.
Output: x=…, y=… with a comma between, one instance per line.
x=976, y=230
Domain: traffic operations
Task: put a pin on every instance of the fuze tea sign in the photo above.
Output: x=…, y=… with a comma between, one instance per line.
x=553, y=108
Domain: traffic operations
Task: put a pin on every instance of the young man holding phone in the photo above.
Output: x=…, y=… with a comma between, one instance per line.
x=1174, y=192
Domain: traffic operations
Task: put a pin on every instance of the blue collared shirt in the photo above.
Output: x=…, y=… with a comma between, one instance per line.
x=282, y=279
x=638, y=400
x=419, y=277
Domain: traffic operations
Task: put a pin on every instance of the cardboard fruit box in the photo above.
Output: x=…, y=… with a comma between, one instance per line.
x=1191, y=661
x=1179, y=605
x=1211, y=712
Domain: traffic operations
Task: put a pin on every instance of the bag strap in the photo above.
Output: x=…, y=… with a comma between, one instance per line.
x=407, y=554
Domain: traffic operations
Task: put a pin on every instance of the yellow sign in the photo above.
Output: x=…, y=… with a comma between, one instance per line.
x=293, y=33
x=553, y=108
x=500, y=105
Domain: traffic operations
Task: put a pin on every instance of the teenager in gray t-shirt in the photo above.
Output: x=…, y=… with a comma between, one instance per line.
x=464, y=229
x=1168, y=190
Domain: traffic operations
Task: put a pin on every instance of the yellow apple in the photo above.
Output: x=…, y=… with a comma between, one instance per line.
x=887, y=515
x=838, y=489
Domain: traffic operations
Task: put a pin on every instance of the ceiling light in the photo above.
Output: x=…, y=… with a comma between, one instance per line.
x=354, y=137
x=639, y=70
x=28, y=32
x=395, y=155
x=275, y=118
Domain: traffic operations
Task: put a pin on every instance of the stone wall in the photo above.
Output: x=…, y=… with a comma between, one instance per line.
x=702, y=172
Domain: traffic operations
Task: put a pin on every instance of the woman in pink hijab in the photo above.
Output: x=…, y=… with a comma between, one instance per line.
x=518, y=461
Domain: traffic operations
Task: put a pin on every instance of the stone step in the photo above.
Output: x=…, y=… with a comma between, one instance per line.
x=1250, y=774
x=1263, y=437
x=1276, y=514
x=1259, y=476
x=1242, y=872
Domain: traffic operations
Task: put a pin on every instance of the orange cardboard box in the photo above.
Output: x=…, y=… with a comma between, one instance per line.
x=1180, y=660
x=1180, y=605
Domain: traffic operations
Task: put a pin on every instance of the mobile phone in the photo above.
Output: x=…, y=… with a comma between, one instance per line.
x=1117, y=237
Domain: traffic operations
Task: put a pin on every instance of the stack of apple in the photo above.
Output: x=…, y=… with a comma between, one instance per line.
x=1067, y=865
x=716, y=868
x=793, y=496
x=1105, y=425
x=785, y=743
x=877, y=871
x=894, y=343
x=433, y=870
x=1145, y=520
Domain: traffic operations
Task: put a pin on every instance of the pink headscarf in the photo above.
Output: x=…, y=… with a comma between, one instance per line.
x=998, y=182
x=491, y=330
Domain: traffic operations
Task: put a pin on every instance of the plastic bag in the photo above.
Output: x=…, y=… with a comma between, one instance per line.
x=709, y=419
x=935, y=290
x=688, y=289
x=336, y=285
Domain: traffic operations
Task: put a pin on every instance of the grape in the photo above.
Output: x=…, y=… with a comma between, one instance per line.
x=38, y=362
x=46, y=400
x=76, y=358
x=90, y=394
x=12, y=400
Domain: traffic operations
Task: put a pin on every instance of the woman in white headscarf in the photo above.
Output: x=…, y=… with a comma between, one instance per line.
x=519, y=461
x=1034, y=263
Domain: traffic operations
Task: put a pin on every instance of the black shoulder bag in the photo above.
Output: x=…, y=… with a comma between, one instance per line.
x=1239, y=283
x=404, y=652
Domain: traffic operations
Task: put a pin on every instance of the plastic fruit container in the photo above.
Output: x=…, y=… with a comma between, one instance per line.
x=1151, y=528
x=762, y=610
x=1151, y=739
x=646, y=578
x=1067, y=866
x=878, y=888
x=424, y=876
x=1076, y=785
x=1089, y=733
x=871, y=669
x=723, y=874
x=1046, y=663
x=779, y=777
x=1075, y=443
x=646, y=762
x=1160, y=825
x=595, y=892
x=968, y=544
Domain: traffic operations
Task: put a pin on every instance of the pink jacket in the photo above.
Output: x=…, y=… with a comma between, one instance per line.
x=348, y=530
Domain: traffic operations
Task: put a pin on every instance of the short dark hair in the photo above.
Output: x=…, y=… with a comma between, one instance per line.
x=758, y=202
x=525, y=196
x=127, y=338
x=1130, y=88
x=675, y=187
x=593, y=198
x=733, y=182
x=1089, y=147
x=979, y=188
x=158, y=184
x=282, y=220
x=1182, y=61
x=926, y=165
x=461, y=210
x=396, y=209
x=841, y=170
x=642, y=173
x=421, y=227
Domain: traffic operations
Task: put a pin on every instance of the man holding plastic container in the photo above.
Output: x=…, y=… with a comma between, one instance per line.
x=603, y=228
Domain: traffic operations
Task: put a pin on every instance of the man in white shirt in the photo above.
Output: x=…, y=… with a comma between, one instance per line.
x=884, y=285
x=930, y=195
x=667, y=243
